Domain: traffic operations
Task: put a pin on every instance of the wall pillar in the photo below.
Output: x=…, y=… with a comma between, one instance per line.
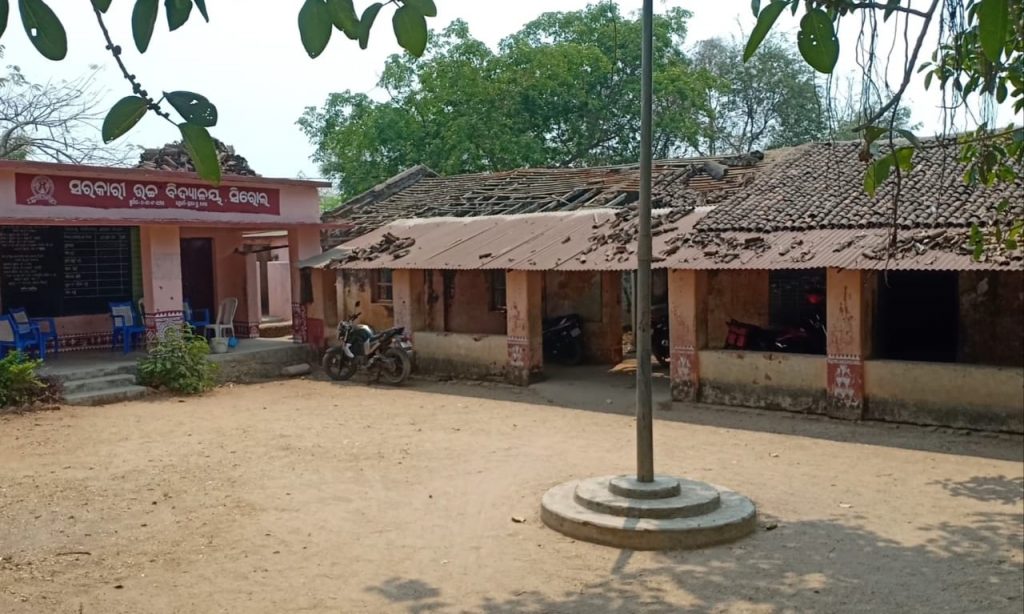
x=688, y=324
x=408, y=299
x=307, y=308
x=161, y=279
x=523, y=298
x=850, y=302
x=253, y=308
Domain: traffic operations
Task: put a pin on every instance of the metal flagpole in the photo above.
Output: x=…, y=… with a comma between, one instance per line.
x=644, y=425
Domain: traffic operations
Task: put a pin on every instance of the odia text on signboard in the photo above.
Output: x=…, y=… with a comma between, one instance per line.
x=68, y=191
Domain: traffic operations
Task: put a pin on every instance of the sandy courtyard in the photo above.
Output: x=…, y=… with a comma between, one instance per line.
x=306, y=496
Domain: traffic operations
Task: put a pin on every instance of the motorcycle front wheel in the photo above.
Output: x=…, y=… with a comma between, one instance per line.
x=338, y=366
x=395, y=366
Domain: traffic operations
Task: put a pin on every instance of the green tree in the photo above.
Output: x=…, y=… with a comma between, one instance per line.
x=771, y=101
x=563, y=91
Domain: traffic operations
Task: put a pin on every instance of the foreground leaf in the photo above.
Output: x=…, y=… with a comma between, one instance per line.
x=177, y=13
x=314, y=26
x=410, y=30
x=123, y=116
x=44, y=29
x=993, y=26
x=194, y=108
x=817, y=41
x=202, y=151
x=877, y=173
x=143, y=21
x=101, y=5
x=343, y=14
x=201, y=5
x=366, y=23
x=765, y=20
x=5, y=10
x=427, y=8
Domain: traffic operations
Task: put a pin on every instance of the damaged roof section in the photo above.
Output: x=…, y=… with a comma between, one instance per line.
x=421, y=193
x=820, y=186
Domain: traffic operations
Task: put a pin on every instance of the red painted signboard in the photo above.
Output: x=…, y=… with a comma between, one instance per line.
x=68, y=191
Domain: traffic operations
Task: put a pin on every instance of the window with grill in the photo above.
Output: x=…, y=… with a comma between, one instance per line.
x=381, y=288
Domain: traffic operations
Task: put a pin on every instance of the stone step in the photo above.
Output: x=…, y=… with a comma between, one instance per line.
x=109, y=395
x=98, y=384
x=91, y=372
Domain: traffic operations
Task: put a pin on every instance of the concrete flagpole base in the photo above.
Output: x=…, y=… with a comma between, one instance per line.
x=668, y=513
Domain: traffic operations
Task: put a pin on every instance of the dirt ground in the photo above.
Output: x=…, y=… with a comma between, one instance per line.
x=307, y=496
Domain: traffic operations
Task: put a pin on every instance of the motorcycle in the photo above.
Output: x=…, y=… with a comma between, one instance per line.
x=562, y=339
x=809, y=338
x=388, y=354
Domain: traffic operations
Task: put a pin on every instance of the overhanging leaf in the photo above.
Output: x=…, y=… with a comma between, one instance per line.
x=427, y=8
x=765, y=20
x=817, y=41
x=410, y=30
x=890, y=8
x=343, y=14
x=5, y=11
x=755, y=7
x=177, y=12
x=904, y=157
x=101, y=5
x=143, y=21
x=993, y=26
x=877, y=173
x=366, y=23
x=201, y=5
x=871, y=133
x=910, y=136
x=44, y=29
x=194, y=108
x=202, y=151
x=123, y=116
x=314, y=26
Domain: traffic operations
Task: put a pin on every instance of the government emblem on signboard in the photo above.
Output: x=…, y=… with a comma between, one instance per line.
x=42, y=191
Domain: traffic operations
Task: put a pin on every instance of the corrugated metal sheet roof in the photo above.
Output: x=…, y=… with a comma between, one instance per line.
x=602, y=240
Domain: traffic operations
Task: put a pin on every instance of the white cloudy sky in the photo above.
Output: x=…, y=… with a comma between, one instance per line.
x=249, y=62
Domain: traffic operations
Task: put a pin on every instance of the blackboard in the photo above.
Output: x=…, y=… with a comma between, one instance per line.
x=65, y=270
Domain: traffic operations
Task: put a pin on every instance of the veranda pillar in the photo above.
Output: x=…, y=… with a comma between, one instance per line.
x=307, y=308
x=687, y=301
x=161, y=278
x=253, y=290
x=523, y=291
x=850, y=300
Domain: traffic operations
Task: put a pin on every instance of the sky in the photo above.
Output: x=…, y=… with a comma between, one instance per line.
x=249, y=61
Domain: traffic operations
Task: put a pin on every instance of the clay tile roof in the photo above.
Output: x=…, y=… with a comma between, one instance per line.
x=420, y=193
x=820, y=186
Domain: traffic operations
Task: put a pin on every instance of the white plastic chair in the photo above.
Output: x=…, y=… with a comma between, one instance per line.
x=224, y=326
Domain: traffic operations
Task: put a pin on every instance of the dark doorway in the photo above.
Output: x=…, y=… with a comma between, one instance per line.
x=263, y=258
x=918, y=315
x=197, y=274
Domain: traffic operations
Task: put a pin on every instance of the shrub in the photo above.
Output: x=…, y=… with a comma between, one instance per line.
x=20, y=383
x=177, y=361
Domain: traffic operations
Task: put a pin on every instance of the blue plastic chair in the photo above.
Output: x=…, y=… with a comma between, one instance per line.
x=14, y=337
x=44, y=327
x=127, y=325
x=198, y=319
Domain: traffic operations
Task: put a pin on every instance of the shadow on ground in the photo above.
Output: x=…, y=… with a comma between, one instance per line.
x=844, y=569
x=598, y=389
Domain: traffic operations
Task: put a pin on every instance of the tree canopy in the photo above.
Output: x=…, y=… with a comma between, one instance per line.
x=562, y=91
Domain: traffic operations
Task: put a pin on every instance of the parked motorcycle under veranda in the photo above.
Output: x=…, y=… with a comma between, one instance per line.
x=660, y=341
x=387, y=355
x=810, y=337
x=562, y=338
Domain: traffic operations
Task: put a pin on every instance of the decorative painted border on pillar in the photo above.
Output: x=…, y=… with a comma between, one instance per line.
x=685, y=373
x=250, y=330
x=80, y=342
x=158, y=322
x=519, y=360
x=300, y=328
x=845, y=387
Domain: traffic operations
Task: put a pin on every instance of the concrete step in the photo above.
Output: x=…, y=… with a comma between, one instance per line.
x=98, y=384
x=65, y=375
x=106, y=396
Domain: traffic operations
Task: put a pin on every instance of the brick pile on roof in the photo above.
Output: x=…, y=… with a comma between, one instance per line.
x=174, y=157
x=820, y=186
x=421, y=193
